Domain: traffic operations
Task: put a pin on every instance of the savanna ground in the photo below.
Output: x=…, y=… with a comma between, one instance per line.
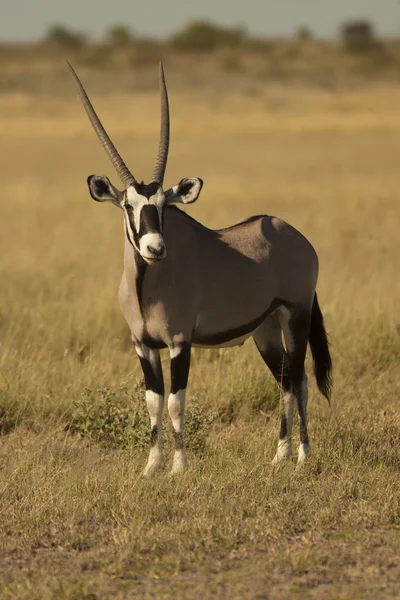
x=76, y=518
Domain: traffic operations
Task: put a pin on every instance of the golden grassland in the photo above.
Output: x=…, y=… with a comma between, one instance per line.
x=76, y=518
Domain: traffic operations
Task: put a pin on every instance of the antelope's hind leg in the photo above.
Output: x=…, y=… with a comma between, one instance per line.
x=296, y=329
x=153, y=376
x=268, y=339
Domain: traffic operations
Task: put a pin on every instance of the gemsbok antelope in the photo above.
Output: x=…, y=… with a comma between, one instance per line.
x=185, y=285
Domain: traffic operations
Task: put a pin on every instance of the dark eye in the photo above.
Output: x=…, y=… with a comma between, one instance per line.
x=129, y=208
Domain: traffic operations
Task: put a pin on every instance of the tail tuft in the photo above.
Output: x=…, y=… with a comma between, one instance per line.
x=320, y=351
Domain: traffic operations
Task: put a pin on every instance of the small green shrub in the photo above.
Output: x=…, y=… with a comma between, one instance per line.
x=198, y=424
x=106, y=417
x=119, y=35
x=62, y=35
x=304, y=33
x=146, y=52
x=250, y=398
x=358, y=36
x=120, y=419
x=202, y=36
x=94, y=55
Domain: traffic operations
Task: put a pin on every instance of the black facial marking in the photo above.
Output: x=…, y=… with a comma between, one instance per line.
x=136, y=237
x=178, y=437
x=222, y=337
x=146, y=190
x=140, y=262
x=149, y=220
x=180, y=369
x=153, y=380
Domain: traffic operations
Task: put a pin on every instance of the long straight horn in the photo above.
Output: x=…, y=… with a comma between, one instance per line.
x=125, y=175
x=161, y=162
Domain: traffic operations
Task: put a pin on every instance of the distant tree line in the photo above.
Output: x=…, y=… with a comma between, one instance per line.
x=203, y=36
x=61, y=34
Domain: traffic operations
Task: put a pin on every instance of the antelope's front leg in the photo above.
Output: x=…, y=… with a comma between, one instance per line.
x=153, y=376
x=180, y=364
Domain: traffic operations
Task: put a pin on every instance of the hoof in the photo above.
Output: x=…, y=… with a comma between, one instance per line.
x=154, y=464
x=179, y=464
x=304, y=452
x=284, y=452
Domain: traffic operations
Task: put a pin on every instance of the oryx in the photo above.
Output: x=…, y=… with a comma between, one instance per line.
x=185, y=285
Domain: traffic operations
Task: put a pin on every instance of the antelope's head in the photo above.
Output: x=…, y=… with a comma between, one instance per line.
x=142, y=204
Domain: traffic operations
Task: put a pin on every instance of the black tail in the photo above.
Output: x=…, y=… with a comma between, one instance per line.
x=320, y=350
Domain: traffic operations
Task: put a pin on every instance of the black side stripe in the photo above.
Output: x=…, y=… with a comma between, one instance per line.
x=221, y=337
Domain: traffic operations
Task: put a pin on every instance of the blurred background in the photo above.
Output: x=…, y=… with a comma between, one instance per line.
x=217, y=44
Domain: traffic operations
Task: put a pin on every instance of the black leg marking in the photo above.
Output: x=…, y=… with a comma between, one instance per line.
x=152, y=376
x=149, y=220
x=154, y=436
x=303, y=419
x=154, y=381
x=180, y=369
x=283, y=431
x=180, y=366
x=178, y=437
x=277, y=362
x=303, y=432
x=299, y=328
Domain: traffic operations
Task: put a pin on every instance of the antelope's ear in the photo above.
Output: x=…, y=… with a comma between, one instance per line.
x=102, y=190
x=186, y=192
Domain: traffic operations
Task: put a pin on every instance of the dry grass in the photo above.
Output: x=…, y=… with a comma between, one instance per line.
x=77, y=521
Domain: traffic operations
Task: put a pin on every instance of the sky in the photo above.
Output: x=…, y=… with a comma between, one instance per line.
x=28, y=20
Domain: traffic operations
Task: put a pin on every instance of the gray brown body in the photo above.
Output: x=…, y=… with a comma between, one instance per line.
x=216, y=286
